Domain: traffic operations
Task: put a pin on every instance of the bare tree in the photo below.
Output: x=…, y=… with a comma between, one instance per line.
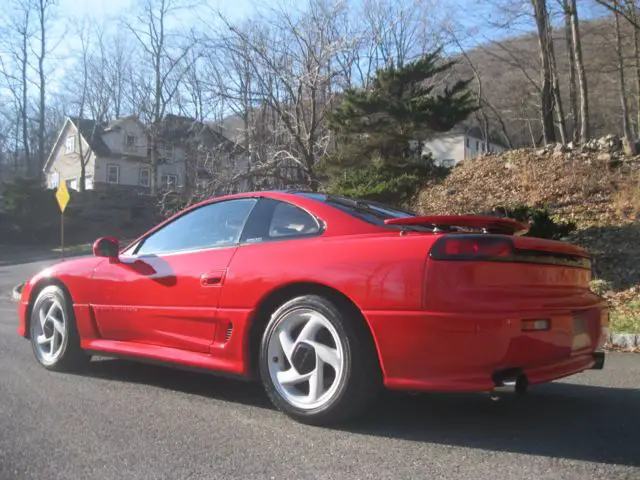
x=91, y=97
x=289, y=63
x=572, y=87
x=229, y=66
x=580, y=69
x=14, y=67
x=631, y=5
x=626, y=124
x=165, y=53
x=44, y=10
x=546, y=75
x=557, y=99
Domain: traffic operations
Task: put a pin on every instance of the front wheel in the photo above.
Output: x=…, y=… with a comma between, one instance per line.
x=317, y=361
x=54, y=336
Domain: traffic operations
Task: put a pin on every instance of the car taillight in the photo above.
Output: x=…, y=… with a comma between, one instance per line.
x=472, y=247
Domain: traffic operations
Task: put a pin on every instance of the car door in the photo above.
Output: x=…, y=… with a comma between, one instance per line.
x=165, y=290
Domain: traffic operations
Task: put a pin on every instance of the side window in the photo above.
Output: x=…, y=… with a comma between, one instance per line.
x=212, y=225
x=275, y=220
x=289, y=220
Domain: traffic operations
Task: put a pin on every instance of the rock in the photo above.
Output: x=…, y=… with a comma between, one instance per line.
x=559, y=148
x=541, y=153
x=625, y=340
x=604, y=157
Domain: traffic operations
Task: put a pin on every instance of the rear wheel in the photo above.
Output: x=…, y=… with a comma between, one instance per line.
x=317, y=361
x=54, y=336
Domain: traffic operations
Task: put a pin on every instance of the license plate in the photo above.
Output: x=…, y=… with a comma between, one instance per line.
x=581, y=337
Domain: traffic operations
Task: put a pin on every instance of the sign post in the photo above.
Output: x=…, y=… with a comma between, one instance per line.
x=63, y=197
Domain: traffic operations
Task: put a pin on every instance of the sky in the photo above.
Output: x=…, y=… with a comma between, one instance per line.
x=470, y=16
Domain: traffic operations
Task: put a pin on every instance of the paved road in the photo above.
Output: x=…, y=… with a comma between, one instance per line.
x=125, y=420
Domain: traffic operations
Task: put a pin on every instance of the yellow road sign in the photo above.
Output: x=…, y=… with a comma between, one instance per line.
x=62, y=196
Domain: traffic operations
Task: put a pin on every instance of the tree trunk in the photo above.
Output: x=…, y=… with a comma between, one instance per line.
x=24, y=113
x=582, y=78
x=546, y=90
x=153, y=160
x=636, y=58
x=41, y=74
x=573, y=97
x=626, y=125
x=557, y=99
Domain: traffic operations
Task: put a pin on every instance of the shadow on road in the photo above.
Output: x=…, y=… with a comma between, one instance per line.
x=557, y=420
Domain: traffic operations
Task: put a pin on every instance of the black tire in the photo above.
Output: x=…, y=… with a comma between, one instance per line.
x=72, y=357
x=361, y=381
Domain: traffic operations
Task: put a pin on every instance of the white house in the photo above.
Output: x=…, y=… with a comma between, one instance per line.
x=118, y=154
x=115, y=153
x=460, y=144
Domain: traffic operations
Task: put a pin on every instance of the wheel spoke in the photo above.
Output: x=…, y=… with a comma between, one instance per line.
x=58, y=325
x=53, y=307
x=41, y=339
x=286, y=343
x=292, y=377
x=316, y=383
x=54, y=344
x=43, y=318
x=309, y=331
x=327, y=355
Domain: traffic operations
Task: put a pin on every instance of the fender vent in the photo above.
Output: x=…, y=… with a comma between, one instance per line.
x=227, y=335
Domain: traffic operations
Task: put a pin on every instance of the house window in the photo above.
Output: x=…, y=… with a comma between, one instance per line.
x=448, y=162
x=145, y=177
x=467, y=142
x=170, y=182
x=70, y=144
x=130, y=142
x=477, y=145
x=88, y=182
x=72, y=183
x=166, y=151
x=113, y=174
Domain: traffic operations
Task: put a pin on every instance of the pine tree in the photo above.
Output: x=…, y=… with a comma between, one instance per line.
x=380, y=131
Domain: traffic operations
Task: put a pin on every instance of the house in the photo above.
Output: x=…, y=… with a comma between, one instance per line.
x=118, y=153
x=459, y=144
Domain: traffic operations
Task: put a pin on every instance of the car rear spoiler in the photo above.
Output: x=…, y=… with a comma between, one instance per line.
x=502, y=226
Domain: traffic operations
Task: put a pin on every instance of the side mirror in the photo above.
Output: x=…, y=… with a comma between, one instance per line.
x=106, y=247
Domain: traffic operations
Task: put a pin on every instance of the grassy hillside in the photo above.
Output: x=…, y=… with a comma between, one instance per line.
x=595, y=188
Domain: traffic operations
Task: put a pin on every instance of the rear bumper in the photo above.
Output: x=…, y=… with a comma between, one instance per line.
x=424, y=351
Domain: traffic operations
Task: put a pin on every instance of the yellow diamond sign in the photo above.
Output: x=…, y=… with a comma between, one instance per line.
x=62, y=196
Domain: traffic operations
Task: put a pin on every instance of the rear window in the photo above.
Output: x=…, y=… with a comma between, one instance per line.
x=367, y=210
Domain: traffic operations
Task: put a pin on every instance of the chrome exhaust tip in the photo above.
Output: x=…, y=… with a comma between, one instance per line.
x=511, y=380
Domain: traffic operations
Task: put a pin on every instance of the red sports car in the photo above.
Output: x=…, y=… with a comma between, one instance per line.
x=326, y=299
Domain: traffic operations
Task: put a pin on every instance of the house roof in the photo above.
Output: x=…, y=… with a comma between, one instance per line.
x=86, y=129
x=92, y=132
x=120, y=121
x=474, y=132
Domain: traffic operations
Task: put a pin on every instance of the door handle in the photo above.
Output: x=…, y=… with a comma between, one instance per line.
x=212, y=279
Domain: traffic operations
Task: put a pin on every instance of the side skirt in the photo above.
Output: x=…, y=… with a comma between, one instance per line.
x=164, y=356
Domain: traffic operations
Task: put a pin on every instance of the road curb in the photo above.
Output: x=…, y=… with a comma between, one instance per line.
x=16, y=293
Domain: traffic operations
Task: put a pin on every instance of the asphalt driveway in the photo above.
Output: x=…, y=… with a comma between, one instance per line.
x=124, y=420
